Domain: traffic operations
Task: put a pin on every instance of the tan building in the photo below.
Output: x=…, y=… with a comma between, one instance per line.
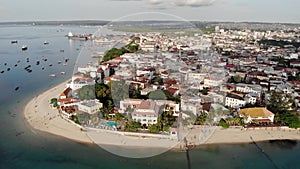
x=260, y=115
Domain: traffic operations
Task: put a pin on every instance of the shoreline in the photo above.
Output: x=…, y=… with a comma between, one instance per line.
x=40, y=116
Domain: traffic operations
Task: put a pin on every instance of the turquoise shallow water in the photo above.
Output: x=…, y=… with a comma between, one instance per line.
x=23, y=148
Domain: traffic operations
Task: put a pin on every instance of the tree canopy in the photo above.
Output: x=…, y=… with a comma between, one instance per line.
x=86, y=93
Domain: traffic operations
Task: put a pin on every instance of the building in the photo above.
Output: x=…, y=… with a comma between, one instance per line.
x=147, y=111
x=79, y=82
x=90, y=106
x=260, y=115
x=213, y=82
x=65, y=97
x=248, y=88
x=234, y=101
x=66, y=93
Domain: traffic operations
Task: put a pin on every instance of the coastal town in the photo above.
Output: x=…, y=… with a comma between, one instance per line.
x=164, y=85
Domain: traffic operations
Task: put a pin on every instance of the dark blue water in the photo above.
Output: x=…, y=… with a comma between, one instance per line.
x=21, y=147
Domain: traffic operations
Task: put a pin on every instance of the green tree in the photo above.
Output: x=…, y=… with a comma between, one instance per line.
x=132, y=126
x=86, y=93
x=118, y=117
x=133, y=48
x=154, y=128
x=113, y=53
x=223, y=123
x=53, y=100
x=119, y=91
x=204, y=91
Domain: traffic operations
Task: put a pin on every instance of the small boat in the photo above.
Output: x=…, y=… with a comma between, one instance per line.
x=43, y=68
x=52, y=75
x=18, y=61
x=5, y=64
x=46, y=43
x=50, y=65
x=62, y=50
x=2, y=71
x=24, y=47
x=65, y=64
x=17, y=88
x=59, y=62
x=8, y=69
x=16, y=65
x=14, y=41
x=37, y=62
x=62, y=73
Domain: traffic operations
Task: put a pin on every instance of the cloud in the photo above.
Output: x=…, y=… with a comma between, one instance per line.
x=195, y=3
x=156, y=2
x=163, y=4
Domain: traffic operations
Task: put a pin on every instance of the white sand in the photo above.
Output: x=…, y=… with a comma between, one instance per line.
x=42, y=117
x=240, y=135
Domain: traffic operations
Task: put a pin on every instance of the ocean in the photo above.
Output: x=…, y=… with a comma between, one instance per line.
x=21, y=147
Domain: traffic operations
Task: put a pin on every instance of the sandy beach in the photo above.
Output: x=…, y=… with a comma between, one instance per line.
x=42, y=117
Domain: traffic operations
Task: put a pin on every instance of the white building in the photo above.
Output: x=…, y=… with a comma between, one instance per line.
x=190, y=104
x=147, y=111
x=90, y=106
x=234, y=101
x=213, y=82
x=79, y=82
x=247, y=88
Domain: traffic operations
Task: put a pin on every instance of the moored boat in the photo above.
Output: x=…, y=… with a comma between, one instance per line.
x=24, y=47
x=14, y=41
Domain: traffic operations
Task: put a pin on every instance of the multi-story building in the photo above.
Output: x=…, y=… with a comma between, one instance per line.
x=90, y=106
x=234, y=101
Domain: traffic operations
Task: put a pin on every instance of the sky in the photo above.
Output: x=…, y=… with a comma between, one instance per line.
x=284, y=11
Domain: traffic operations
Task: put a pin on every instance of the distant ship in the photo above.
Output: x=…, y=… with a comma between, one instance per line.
x=14, y=41
x=83, y=37
x=46, y=43
x=24, y=47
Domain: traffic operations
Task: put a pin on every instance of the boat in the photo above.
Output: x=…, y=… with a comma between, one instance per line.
x=82, y=37
x=24, y=47
x=62, y=73
x=14, y=41
x=50, y=65
x=8, y=69
x=17, y=88
x=2, y=71
x=52, y=75
x=46, y=43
